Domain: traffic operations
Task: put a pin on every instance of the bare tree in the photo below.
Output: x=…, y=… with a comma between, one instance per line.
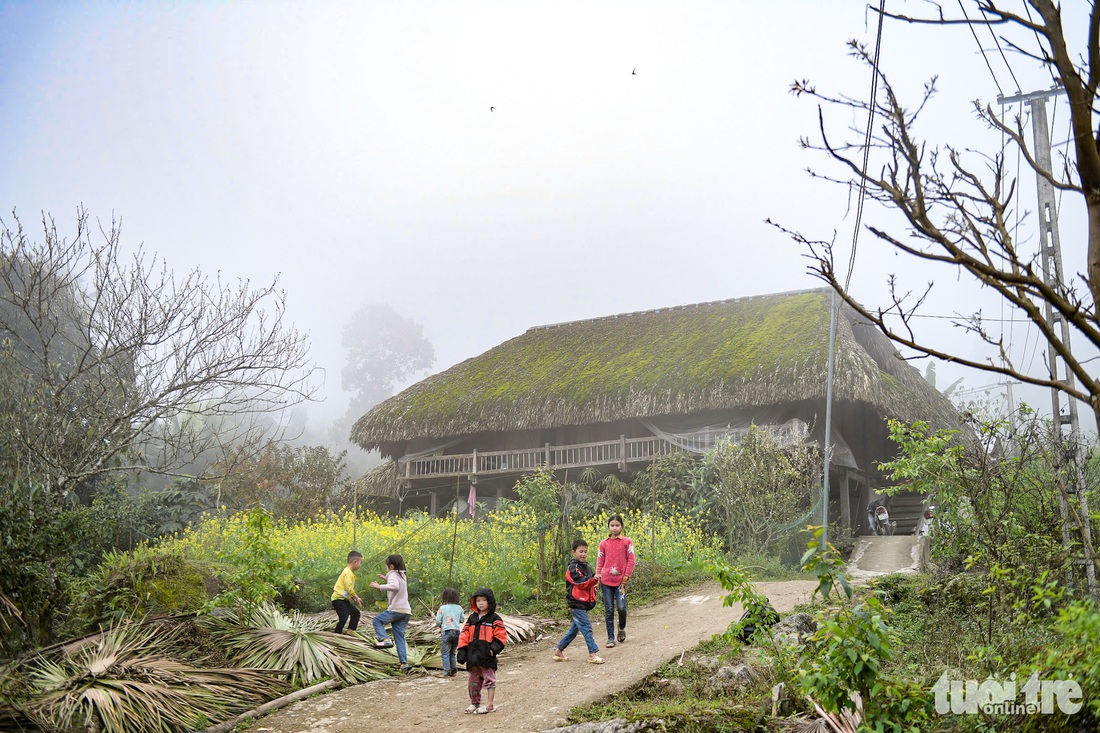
x=110, y=364
x=117, y=352
x=956, y=204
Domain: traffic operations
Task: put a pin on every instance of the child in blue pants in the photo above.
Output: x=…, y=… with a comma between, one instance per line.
x=450, y=617
x=580, y=595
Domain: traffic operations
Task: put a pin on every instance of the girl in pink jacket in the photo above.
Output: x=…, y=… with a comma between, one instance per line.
x=614, y=564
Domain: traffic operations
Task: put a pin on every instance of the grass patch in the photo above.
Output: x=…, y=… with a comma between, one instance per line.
x=679, y=695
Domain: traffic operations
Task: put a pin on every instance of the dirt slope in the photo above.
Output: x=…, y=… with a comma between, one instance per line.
x=533, y=692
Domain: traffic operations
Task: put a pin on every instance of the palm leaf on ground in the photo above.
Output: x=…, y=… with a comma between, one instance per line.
x=126, y=681
x=297, y=645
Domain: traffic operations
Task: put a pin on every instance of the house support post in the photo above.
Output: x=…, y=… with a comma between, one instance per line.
x=845, y=499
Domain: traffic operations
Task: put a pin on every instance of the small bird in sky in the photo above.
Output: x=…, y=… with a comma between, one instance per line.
x=492, y=108
x=634, y=72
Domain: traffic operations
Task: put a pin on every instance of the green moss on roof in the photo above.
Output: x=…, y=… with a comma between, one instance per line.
x=730, y=354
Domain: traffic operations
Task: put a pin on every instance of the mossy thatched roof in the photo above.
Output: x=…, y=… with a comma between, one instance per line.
x=734, y=354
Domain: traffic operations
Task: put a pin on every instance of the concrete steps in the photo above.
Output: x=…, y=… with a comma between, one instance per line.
x=877, y=556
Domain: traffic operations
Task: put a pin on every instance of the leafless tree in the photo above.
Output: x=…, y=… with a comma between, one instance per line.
x=111, y=362
x=956, y=204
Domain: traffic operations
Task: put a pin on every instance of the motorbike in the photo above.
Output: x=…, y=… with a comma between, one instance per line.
x=881, y=524
x=924, y=524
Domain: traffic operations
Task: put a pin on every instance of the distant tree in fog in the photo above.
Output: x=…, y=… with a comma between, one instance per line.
x=384, y=350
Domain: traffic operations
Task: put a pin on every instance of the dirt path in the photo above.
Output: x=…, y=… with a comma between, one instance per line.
x=533, y=692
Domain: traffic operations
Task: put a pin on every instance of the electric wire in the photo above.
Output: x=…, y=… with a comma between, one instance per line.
x=871, y=104
x=970, y=25
x=1000, y=50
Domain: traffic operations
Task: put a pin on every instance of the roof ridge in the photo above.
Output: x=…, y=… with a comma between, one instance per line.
x=671, y=308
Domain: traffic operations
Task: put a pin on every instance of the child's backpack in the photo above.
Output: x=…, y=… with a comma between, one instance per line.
x=756, y=616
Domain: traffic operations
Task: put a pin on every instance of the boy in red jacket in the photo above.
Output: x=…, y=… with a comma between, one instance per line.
x=482, y=639
x=580, y=595
x=614, y=564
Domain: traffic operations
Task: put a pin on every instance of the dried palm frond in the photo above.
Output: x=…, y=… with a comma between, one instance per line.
x=8, y=609
x=127, y=681
x=520, y=628
x=843, y=721
x=299, y=645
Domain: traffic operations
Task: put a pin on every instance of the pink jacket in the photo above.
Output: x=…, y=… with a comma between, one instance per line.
x=615, y=560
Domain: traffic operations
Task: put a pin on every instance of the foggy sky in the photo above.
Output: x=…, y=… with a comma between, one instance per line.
x=482, y=167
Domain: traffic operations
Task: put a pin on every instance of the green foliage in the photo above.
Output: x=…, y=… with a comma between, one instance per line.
x=1073, y=654
x=740, y=589
x=993, y=506
x=850, y=649
x=146, y=581
x=762, y=489
x=256, y=570
x=540, y=496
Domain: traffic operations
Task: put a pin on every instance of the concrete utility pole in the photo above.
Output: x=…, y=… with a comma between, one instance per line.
x=1067, y=426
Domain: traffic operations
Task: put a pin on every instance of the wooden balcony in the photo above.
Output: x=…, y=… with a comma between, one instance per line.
x=620, y=453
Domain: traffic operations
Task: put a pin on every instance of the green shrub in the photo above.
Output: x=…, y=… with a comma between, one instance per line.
x=146, y=582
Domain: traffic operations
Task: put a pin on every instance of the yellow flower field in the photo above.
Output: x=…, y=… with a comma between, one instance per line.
x=499, y=550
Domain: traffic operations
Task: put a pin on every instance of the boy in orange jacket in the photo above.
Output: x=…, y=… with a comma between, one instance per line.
x=580, y=596
x=482, y=639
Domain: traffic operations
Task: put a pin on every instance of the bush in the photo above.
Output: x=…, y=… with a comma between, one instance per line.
x=146, y=582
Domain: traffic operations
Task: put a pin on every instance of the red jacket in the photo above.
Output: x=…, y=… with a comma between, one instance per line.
x=484, y=636
x=615, y=560
x=580, y=585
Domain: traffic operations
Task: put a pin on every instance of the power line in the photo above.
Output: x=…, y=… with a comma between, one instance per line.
x=866, y=144
x=997, y=42
x=974, y=33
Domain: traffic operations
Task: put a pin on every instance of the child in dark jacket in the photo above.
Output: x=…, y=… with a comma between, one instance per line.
x=482, y=639
x=580, y=596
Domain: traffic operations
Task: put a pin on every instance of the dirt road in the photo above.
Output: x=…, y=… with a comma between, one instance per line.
x=533, y=692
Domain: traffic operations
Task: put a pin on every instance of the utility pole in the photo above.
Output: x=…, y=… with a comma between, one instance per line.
x=1066, y=426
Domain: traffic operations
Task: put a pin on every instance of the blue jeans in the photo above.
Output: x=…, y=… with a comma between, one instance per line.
x=398, y=623
x=449, y=650
x=581, y=625
x=613, y=597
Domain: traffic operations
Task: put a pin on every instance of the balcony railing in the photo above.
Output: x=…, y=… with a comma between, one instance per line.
x=619, y=452
x=493, y=463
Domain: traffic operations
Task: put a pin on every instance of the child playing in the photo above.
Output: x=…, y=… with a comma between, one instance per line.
x=482, y=639
x=449, y=617
x=580, y=595
x=343, y=593
x=398, y=613
x=614, y=564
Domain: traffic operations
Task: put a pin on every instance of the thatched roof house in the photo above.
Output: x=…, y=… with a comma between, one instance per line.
x=666, y=372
